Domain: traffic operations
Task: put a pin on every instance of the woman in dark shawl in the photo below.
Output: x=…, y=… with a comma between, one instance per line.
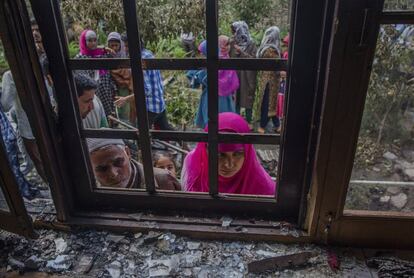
x=242, y=46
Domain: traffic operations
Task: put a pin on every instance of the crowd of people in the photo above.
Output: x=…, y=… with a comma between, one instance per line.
x=103, y=93
x=259, y=94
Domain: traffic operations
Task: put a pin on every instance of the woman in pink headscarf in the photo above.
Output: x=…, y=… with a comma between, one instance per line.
x=228, y=83
x=228, y=79
x=239, y=169
x=88, y=48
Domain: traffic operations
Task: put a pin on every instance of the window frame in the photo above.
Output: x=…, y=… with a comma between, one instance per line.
x=18, y=42
x=15, y=219
x=328, y=222
x=334, y=137
x=297, y=131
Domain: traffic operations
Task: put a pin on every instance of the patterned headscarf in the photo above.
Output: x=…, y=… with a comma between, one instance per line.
x=241, y=34
x=271, y=39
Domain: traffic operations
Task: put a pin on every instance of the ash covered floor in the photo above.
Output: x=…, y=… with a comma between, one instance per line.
x=89, y=253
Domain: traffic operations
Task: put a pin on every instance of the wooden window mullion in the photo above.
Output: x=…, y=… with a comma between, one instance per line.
x=212, y=81
x=131, y=22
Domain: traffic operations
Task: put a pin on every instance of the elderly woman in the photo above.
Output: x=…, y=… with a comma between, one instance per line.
x=239, y=170
x=243, y=46
x=228, y=83
x=266, y=100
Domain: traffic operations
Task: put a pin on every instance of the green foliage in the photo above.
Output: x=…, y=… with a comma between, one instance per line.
x=252, y=11
x=182, y=102
x=167, y=19
x=157, y=18
x=167, y=48
x=389, y=94
x=73, y=49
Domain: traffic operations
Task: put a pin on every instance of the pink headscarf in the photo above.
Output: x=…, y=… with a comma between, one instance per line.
x=228, y=79
x=84, y=50
x=251, y=178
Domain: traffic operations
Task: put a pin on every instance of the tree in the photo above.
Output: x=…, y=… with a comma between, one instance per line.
x=389, y=93
x=157, y=18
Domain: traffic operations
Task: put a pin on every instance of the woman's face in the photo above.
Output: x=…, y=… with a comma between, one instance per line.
x=225, y=46
x=230, y=163
x=114, y=45
x=91, y=43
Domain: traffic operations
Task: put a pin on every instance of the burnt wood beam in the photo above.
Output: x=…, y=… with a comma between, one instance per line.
x=397, y=17
x=180, y=64
x=225, y=137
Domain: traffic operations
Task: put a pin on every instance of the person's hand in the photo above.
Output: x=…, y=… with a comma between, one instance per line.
x=110, y=50
x=237, y=48
x=165, y=180
x=120, y=101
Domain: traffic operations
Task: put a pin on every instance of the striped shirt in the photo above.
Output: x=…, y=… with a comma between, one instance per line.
x=154, y=90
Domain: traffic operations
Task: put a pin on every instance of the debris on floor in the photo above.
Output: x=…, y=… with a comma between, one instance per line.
x=280, y=262
x=102, y=254
x=392, y=267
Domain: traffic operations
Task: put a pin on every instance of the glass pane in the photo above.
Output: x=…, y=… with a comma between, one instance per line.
x=383, y=173
x=398, y=5
x=243, y=169
x=3, y=202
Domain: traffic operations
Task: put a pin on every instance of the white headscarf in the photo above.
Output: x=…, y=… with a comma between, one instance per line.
x=271, y=39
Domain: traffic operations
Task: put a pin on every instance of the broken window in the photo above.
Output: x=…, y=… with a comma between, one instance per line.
x=383, y=172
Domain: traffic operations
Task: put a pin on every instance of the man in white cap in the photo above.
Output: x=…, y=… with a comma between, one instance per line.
x=113, y=167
